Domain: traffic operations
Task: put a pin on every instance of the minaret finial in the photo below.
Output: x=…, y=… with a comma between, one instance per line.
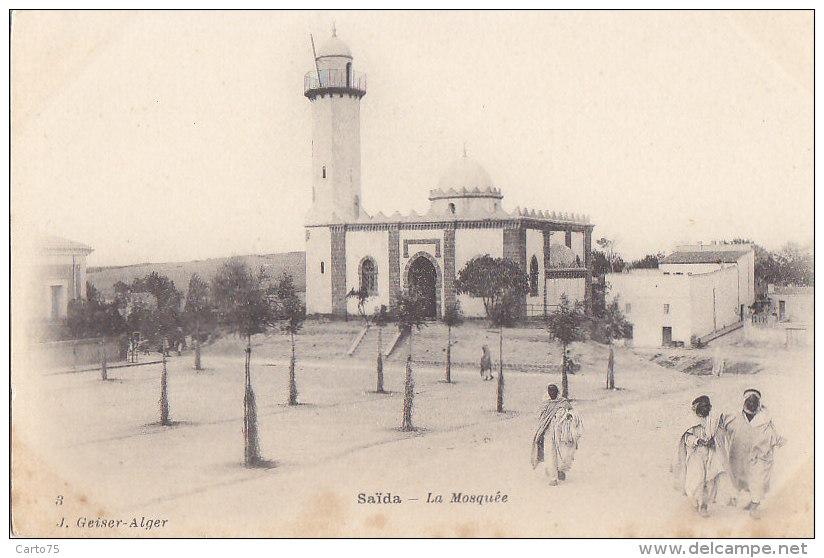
x=464, y=150
x=334, y=29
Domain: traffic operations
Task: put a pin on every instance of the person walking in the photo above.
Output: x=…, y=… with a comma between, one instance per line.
x=753, y=440
x=486, y=364
x=556, y=438
x=702, y=456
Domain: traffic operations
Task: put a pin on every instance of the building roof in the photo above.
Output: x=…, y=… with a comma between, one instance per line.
x=58, y=244
x=705, y=256
x=334, y=47
x=465, y=174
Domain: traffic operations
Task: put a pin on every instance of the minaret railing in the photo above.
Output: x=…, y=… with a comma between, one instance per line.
x=334, y=79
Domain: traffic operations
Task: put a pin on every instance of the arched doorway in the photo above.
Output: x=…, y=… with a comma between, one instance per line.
x=422, y=279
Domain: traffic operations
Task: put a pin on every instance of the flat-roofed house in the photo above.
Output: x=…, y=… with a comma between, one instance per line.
x=54, y=275
x=701, y=258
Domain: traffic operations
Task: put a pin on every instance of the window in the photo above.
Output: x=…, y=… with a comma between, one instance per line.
x=533, y=277
x=452, y=208
x=368, y=276
x=666, y=309
x=627, y=308
x=324, y=171
x=321, y=268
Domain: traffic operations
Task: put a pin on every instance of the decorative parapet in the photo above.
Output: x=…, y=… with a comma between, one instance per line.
x=441, y=194
x=579, y=219
x=475, y=214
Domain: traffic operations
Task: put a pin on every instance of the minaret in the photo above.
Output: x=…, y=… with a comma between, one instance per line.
x=334, y=89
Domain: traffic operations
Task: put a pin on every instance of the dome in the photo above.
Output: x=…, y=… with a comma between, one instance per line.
x=465, y=173
x=334, y=47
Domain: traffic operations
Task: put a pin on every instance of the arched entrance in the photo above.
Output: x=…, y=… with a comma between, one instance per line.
x=422, y=279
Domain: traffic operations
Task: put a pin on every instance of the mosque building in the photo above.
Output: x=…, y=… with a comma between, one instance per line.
x=348, y=248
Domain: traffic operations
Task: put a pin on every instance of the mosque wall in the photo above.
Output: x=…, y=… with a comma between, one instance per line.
x=470, y=243
x=373, y=244
x=318, y=270
x=535, y=248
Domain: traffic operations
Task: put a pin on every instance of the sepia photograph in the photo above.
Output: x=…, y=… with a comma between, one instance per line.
x=412, y=274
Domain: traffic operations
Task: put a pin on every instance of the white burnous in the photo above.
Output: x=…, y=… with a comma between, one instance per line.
x=753, y=439
x=556, y=438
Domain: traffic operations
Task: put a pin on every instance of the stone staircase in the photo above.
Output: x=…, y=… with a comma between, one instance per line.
x=366, y=342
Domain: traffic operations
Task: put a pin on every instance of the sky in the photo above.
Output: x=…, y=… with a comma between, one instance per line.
x=167, y=136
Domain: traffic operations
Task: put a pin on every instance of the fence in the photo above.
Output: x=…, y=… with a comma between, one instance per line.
x=339, y=79
x=539, y=311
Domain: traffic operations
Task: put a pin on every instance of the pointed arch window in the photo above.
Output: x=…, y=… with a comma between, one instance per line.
x=369, y=276
x=533, y=277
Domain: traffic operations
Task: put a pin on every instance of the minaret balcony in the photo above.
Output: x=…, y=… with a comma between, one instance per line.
x=332, y=82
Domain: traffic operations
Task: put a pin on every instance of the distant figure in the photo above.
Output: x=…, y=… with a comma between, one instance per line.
x=702, y=456
x=571, y=365
x=556, y=439
x=486, y=364
x=753, y=439
x=717, y=362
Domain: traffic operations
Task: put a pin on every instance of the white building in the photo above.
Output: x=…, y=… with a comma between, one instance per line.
x=700, y=258
x=61, y=276
x=792, y=304
x=49, y=273
x=667, y=307
x=347, y=248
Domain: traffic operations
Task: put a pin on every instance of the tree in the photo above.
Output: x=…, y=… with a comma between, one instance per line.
x=493, y=280
x=795, y=266
x=104, y=371
x=613, y=325
x=93, y=317
x=245, y=309
x=614, y=263
x=791, y=265
x=451, y=317
x=161, y=323
x=155, y=322
x=500, y=283
x=504, y=314
x=567, y=324
x=650, y=261
x=380, y=319
x=292, y=314
x=197, y=312
x=164, y=386
x=362, y=295
x=410, y=313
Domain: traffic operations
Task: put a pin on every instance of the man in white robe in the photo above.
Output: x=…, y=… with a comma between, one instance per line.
x=556, y=438
x=702, y=456
x=753, y=439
